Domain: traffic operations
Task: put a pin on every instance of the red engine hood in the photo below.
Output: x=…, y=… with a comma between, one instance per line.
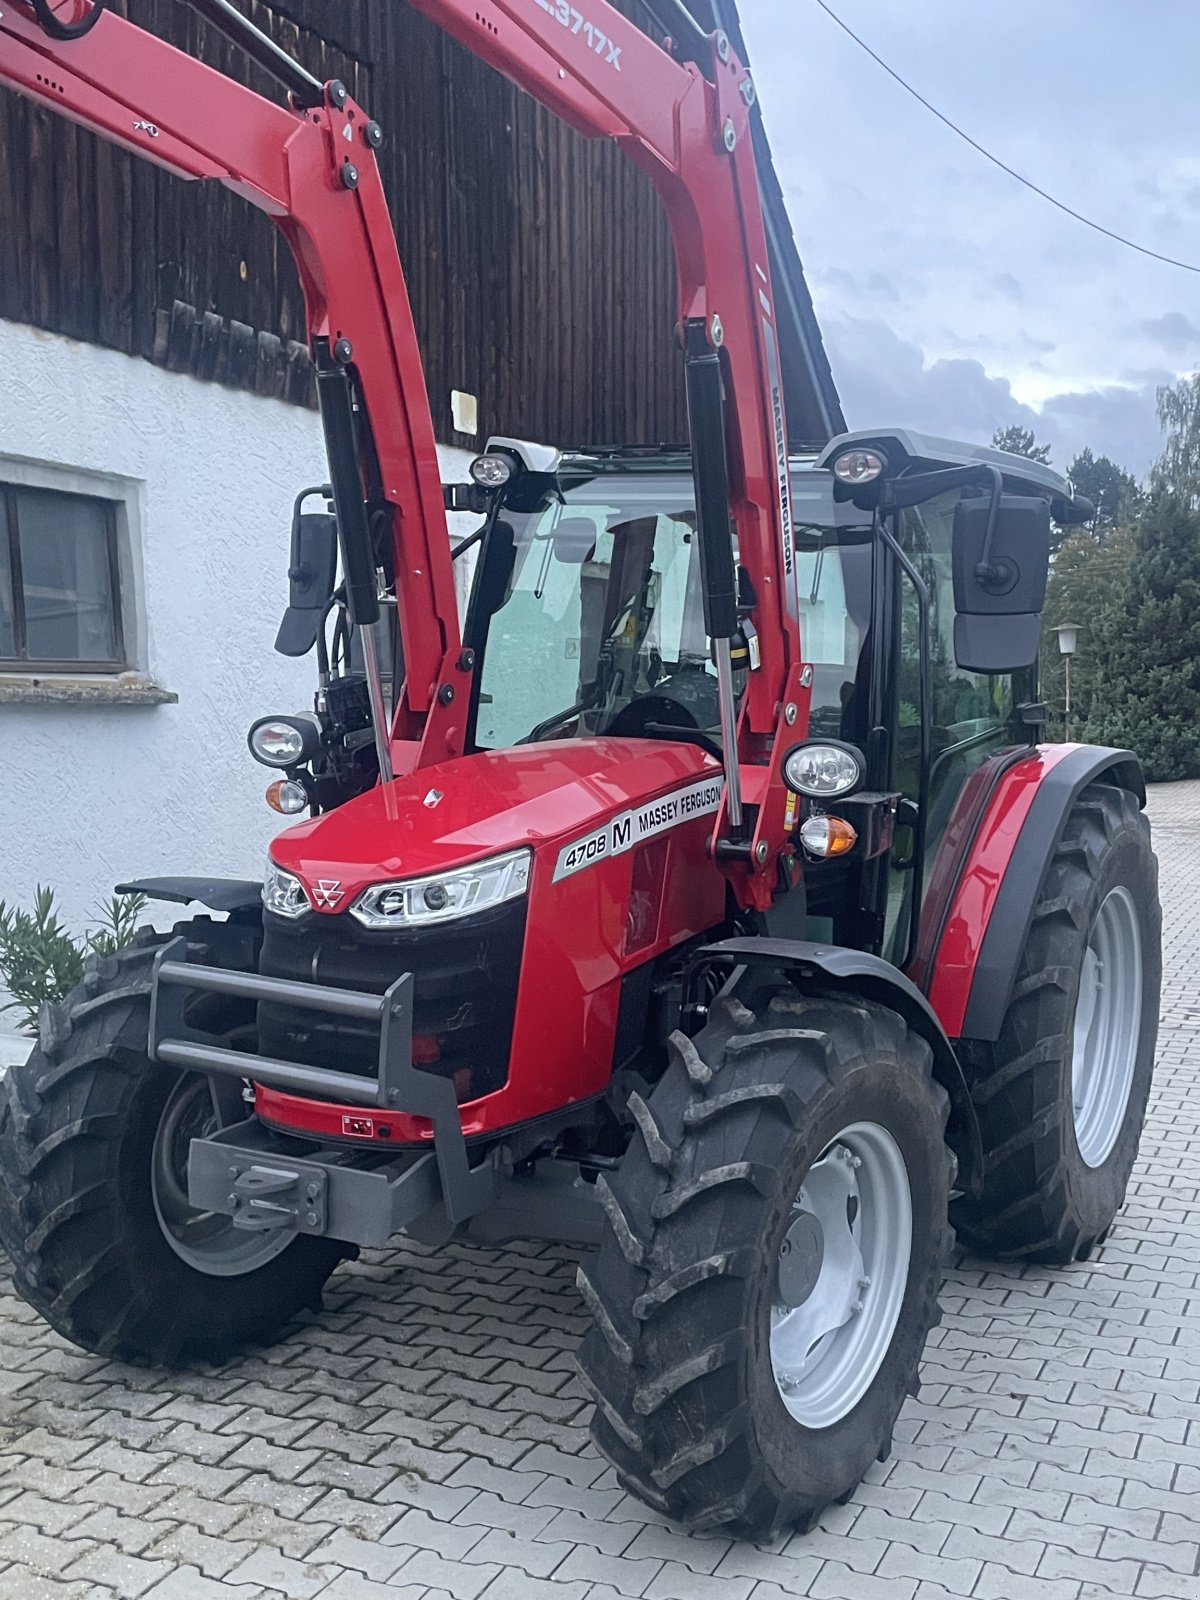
x=490, y=802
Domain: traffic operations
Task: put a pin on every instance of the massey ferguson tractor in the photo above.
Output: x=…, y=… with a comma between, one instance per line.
x=708, y=899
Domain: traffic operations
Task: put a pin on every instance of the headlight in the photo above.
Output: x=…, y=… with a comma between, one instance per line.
x=284, y=741
x=859, y=466
x=824, y=771
x=493, y=470
x=447, y=895
x=283, y=894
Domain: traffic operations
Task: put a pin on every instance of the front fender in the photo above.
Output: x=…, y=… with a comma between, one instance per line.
x=871, y=977
x=218, y=894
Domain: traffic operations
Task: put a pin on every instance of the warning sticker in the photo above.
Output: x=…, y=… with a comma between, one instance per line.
x=631, y=827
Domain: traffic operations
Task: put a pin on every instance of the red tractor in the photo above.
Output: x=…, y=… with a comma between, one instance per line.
x=708, y=899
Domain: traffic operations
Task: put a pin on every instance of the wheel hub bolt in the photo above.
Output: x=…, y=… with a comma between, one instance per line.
x=856, y=1309
x=864, y=1283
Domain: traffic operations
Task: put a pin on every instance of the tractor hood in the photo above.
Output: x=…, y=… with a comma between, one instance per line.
x=460, y=811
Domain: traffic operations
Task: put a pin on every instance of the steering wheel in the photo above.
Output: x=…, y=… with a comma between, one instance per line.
x=68, y=19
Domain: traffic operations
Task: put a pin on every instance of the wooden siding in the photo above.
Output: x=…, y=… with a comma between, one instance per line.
x=539, y=265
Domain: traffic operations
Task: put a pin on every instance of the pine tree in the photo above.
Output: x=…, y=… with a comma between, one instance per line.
x=1114, y=492
x=1019, y=441
x=1086, y=580
x=1146, y=696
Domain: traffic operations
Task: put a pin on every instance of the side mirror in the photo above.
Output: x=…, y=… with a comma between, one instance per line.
x=1000, y=581
x=311, y=575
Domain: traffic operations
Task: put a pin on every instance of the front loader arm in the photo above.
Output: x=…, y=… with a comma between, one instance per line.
x=311, y=167
x=689, y=130
x=313, y=171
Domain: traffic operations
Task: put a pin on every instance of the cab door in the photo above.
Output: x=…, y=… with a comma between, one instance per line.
x=974, y=716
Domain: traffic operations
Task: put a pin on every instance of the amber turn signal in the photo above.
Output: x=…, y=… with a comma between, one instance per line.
x=287, y=797
x=828, y=836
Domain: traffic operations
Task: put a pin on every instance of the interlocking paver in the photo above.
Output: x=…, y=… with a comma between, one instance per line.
x=426, y=1436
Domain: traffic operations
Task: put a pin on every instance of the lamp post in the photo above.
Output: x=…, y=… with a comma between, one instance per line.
x=1068, y=640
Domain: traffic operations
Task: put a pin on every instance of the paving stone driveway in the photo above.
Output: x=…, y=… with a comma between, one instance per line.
x=426, y=1436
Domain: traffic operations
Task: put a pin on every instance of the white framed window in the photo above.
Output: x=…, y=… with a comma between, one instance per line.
x=60, y=582
x=70, y=573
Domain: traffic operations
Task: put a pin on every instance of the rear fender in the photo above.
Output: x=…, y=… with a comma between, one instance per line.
x=854, y=972
x=975, y=965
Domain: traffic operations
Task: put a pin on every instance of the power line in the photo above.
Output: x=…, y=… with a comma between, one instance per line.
x=1097, y=227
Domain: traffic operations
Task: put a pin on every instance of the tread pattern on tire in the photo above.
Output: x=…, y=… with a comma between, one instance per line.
x=668, y=1287
x=62, y=1114
x=1028, y=1209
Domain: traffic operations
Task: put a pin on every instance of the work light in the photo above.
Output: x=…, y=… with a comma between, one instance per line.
x=492, y=471
x=859, y=466
x=284, y=741
x=824, y=770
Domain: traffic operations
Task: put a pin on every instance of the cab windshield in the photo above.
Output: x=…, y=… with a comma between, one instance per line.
x=600, y=628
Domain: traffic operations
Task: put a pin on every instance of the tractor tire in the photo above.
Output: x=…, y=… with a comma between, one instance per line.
x=1061, y=1094
x=89, y=1129
x=758, y=1130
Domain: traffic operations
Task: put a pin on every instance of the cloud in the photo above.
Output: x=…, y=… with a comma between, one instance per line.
x=887, y=381
x=1173, y=331
x=1004, y=283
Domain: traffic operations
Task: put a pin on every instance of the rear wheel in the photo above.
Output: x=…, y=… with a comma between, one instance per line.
x=1062, y=1093
x=770, y=1264
x=94, y=1213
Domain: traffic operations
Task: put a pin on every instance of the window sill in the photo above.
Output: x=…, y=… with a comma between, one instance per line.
x=126, y=689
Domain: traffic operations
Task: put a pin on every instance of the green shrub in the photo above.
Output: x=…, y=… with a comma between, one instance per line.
x=40, y=961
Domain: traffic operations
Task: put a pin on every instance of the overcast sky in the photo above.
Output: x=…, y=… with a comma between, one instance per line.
x=950, y=298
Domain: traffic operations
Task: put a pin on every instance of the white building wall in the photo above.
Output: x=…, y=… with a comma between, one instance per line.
x=93, y=794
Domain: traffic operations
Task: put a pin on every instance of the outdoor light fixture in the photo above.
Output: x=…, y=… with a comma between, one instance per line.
x=282, y=893
x=823, y=770
x=457, y=893
x=1068, y=641
x=287, y=797
x=1068, y=638
x=859, y=466
x=284, y=741
x=828, y=836
x=492, y=471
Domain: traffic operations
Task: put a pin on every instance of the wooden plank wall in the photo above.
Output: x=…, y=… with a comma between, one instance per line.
x=539, y=265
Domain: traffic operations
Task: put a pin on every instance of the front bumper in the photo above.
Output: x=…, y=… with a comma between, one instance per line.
x=265, y=1181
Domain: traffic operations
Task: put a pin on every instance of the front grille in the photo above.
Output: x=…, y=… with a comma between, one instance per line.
x=465, y=977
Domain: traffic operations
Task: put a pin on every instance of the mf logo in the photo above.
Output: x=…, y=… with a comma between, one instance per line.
x=329, y=892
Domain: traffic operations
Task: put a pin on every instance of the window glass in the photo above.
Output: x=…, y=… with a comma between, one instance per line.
x=65, y=577
x=603, y=626
x=8, y=619
x=834, y=581
x=973, y=712
x=965, y=704
x=58, y=599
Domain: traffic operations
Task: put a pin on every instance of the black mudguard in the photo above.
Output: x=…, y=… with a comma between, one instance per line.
x=873, y=978
x=218, y=894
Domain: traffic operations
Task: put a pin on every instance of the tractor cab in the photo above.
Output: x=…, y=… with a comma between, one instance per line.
x=586, y=616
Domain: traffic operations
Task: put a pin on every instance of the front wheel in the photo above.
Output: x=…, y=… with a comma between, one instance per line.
x=770, y=1264
x=94, y=1213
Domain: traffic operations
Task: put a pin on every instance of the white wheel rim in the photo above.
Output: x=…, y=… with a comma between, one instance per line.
x=834, y=1315
x=206, y=1240
x=1108, y=1017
